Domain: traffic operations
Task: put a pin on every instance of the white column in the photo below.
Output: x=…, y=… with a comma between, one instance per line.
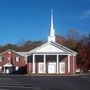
x=44, y=63
x=57, y=62
x=4, y=70
x=33, y=64
x=68, y=63
x=73, y=64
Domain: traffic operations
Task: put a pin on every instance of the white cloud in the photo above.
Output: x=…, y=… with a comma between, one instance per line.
x=81, y=16
x=85, y=15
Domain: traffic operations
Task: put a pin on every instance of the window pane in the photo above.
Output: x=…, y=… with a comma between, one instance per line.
x=40, y=68
x=17, y=67
x=0, y=58
x=17, y=58
x=62, y=67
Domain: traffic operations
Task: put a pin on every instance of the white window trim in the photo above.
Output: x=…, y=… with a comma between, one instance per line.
x=0, y=68
x=17, y=58
x=17, y=68
x=60, y=70
x=1, y=58
x=9, y=52
x=40, y=70
x=54, y=69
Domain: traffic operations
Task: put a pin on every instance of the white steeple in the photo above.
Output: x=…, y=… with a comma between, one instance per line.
x=51, y=36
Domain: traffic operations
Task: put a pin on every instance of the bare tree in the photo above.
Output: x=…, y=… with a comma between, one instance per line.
x=73, y=34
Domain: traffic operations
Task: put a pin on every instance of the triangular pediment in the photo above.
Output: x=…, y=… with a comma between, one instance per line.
x=51, y=47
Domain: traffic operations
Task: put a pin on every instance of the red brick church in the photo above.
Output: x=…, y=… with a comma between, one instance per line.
x=49, y=58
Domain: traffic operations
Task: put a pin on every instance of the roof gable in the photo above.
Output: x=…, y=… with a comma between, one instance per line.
x=52, y=47
x=49, y=48
x=11, y=51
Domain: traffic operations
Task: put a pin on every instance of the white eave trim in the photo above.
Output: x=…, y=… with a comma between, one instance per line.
x=8, y=65
x=67, y=50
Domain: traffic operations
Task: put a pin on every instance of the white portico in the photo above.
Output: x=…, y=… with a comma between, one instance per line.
x=8, y=68
x=51, y=57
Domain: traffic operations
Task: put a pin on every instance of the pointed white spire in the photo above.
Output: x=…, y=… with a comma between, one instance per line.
x=51, y=19
x=51, y=36
x=52, y=31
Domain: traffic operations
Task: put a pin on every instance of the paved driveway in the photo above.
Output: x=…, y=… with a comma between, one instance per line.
x=14, y=82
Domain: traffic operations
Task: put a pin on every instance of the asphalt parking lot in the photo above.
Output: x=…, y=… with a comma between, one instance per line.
x=20, y=82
